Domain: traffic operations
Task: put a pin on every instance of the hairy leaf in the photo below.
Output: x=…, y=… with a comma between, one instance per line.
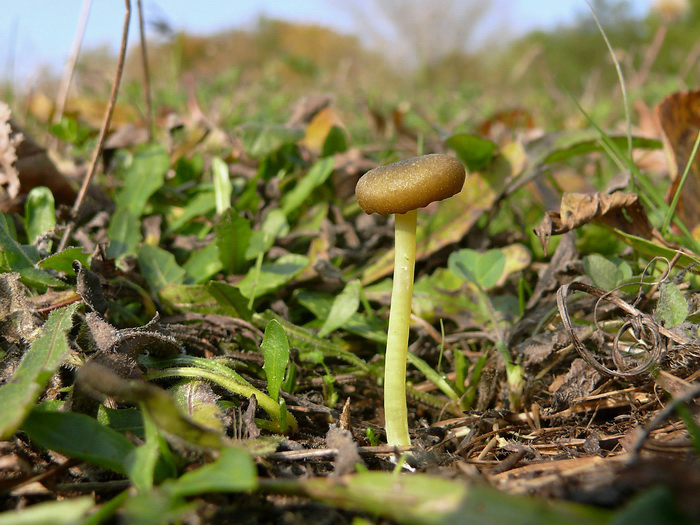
x=40, y=362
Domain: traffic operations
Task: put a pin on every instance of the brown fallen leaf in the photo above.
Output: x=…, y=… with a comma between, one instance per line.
x=619, y=210
x=35, y=168
x=319, y=127
x=679, y=115
x=9, y=142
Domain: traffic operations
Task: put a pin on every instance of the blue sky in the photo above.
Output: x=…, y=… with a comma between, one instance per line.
x=35, y=32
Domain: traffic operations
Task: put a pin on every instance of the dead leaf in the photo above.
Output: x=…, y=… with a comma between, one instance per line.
x=9, y=141
x=347, y=456
x=619, y=210
x=306, y=108
x=35, y=168
x=679, y=115
x=318, y=128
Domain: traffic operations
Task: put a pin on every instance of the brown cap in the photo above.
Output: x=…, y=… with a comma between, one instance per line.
x=410, y=184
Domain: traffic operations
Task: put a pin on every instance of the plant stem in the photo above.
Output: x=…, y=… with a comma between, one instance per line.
x=395, y=411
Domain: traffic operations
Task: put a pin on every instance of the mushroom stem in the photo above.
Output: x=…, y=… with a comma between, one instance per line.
x=395, y=411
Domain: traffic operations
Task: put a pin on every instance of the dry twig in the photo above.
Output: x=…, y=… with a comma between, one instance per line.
x=103, y=132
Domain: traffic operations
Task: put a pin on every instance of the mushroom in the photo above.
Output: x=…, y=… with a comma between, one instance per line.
x=401, y=188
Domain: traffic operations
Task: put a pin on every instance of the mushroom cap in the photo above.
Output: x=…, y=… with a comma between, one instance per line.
x=410, y=184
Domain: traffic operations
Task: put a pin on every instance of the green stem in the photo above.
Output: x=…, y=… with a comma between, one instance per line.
x=395, y=411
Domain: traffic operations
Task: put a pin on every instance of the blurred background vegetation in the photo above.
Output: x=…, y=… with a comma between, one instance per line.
x=427, y=69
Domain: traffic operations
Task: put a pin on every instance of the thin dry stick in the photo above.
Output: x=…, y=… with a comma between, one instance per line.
x=146, y=73
x=63, y=88
x=103, y=132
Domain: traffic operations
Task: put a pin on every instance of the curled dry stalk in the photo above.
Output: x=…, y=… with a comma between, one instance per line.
x=77, y=205
x=652, y=335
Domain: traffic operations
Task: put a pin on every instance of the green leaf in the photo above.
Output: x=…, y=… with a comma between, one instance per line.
x=64, y=512
x=21, y=259
x=201, y=204
x=65, y=129
x=122, y=420
x=63, y=261
x=198, y=401
x=203, y=264
x=603, y=272
x=672, y=308
x=275, y=347
x=273, y=275
x=302, y=336
x=211, y=371
x=582, y=147
x=190, y=298
x=222, y=184
x=260, y=140
x=17, y=257
x=158, y=404
x=142, y=461
x=274, y=225
x=7, y=224
x=159, y=267
x=317, y=175
x=143, y=178
x=39, y=212
x=651, y=249
x=124, y=234
x=234, y=471
x=431, y=500
x=81, y=437
x=483, y=269
x=35, y=370
x=433, y=376
x=474, y=152
x=232, y=238
x=320, y=305
x=230, y=299
x=336, y=142
x=344, y=306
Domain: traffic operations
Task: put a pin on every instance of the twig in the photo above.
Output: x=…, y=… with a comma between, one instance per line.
x=146, y=73
x=64, y=87
x=319, y=453
x=662, y=414
x=103, y=132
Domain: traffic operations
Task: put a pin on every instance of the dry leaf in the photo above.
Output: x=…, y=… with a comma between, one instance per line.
x=9, y=140
x=34, y=168
x=619, y=210
x=318, y=128
x=679, y=115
